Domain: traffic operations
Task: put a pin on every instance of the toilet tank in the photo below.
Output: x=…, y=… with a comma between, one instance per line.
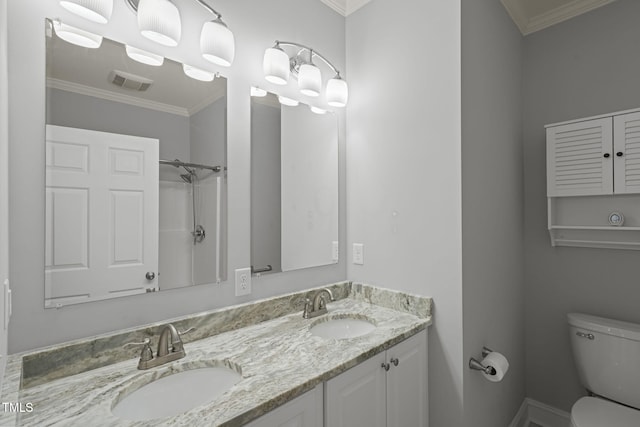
x=607, y=356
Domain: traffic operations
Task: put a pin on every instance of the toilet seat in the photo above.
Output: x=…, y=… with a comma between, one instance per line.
x=594, y=412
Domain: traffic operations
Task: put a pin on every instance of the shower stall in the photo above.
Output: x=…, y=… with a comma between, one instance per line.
x=191, y=218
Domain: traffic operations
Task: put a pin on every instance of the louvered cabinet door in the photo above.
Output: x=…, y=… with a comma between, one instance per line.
x=580, y=158
x=626, y=147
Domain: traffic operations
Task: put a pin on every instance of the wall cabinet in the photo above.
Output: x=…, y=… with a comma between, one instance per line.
x=388, y=390
x=303, y=411
x=593, y=170
x=594, y=157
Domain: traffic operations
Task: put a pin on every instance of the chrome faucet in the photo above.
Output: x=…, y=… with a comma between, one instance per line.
x=318, y=306
x=170, y=348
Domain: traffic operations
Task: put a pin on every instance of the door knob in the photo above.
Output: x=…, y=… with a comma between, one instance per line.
x=150, y=275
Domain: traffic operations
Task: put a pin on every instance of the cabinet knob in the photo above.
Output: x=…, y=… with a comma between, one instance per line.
x=619, y=154
x=386, y=366
x=606, y=155
x=395, y=361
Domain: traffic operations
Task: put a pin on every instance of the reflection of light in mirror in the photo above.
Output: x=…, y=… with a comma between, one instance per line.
x=256, y=91
x=159, y=20
x=317, y=110
x=287, y=101
x=144, y=57
x=197, y=73
x=77, y=36
x=96, y=11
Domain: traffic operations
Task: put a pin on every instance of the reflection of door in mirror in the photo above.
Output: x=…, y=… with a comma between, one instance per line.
x=101, y=215
x=94, y=92
x=294, y=186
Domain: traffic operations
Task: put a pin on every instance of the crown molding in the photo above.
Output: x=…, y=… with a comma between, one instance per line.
x=116, y=97
x=345, y=7
x=531, y=24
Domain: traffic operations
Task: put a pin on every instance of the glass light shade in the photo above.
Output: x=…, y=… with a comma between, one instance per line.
x=159, y=20
x=198, y=73
x=309, y=80
x=337, y=92
x=288, y=101
x=77, y=36
x=94, y=10
x=276, y=66
x=257, y=92
x=217, y=43
x=318, y=110
x=143, y=56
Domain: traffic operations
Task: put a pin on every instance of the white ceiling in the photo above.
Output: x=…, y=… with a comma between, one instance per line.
x=345, y=7
x=534, y=15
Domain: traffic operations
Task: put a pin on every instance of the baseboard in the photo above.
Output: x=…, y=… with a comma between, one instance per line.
x=540, y=413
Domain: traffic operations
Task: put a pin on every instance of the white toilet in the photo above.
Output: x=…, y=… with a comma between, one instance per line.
x=607, y=356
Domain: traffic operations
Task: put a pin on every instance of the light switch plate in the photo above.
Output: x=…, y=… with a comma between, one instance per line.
x=243, y=281
x=358, y=253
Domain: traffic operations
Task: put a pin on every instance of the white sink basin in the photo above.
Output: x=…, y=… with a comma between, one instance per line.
x=342, y=327
x=177, y=393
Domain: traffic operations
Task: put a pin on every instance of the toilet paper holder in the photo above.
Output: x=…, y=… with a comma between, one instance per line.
x=475, y=365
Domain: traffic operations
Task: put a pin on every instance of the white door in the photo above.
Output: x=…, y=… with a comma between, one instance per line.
x=580, y=158
x=626, y=143
x=357, y=397
x=101, y=215
x=407, y=401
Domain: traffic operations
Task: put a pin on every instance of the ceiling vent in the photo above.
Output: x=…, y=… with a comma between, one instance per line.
x=129, y=81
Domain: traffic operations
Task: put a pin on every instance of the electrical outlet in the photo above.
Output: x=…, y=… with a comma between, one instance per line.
x=358, y=253
x=335, y=252
x=243, y=281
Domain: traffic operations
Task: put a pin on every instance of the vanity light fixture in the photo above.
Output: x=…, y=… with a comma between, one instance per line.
x=144, y=57
x=257, y=92
x=198, y=73
x=159, y=20
x=77, y=36
x=287, y=101
x=278, y=66
x=94, y=10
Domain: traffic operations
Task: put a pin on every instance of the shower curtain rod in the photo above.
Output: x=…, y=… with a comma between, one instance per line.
x=178, y=163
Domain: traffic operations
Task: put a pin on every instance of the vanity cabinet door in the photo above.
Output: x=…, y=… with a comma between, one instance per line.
x=357, y=397
x=407, y=401
x=303, y=411
x=388, y=390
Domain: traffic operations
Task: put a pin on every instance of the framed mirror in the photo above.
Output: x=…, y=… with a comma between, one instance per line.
x=135, y=173
x=294, y=186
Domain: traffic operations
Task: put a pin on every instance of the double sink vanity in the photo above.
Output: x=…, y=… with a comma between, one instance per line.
x=262, y=363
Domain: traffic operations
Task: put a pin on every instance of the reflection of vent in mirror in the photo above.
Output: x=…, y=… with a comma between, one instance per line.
x=129, y=81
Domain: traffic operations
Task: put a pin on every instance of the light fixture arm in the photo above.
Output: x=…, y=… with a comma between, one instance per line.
x=134, y=6
x=312, y=53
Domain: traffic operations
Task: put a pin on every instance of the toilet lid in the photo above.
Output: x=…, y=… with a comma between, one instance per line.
x=593, y=412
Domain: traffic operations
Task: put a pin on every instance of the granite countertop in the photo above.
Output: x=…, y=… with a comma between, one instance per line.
x=279, y=359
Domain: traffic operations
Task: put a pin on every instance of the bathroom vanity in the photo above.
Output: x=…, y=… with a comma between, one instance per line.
x=288, y=367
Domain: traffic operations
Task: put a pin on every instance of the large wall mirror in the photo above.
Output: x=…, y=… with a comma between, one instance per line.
x=135, y=174
x=294, y=186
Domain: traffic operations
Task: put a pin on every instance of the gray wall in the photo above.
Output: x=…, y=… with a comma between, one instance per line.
x=4, y=183
x=492, y=208
x=266, y=240
x=403, y=170
x=586, y=66
x=256, y=24
x=88, y=112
